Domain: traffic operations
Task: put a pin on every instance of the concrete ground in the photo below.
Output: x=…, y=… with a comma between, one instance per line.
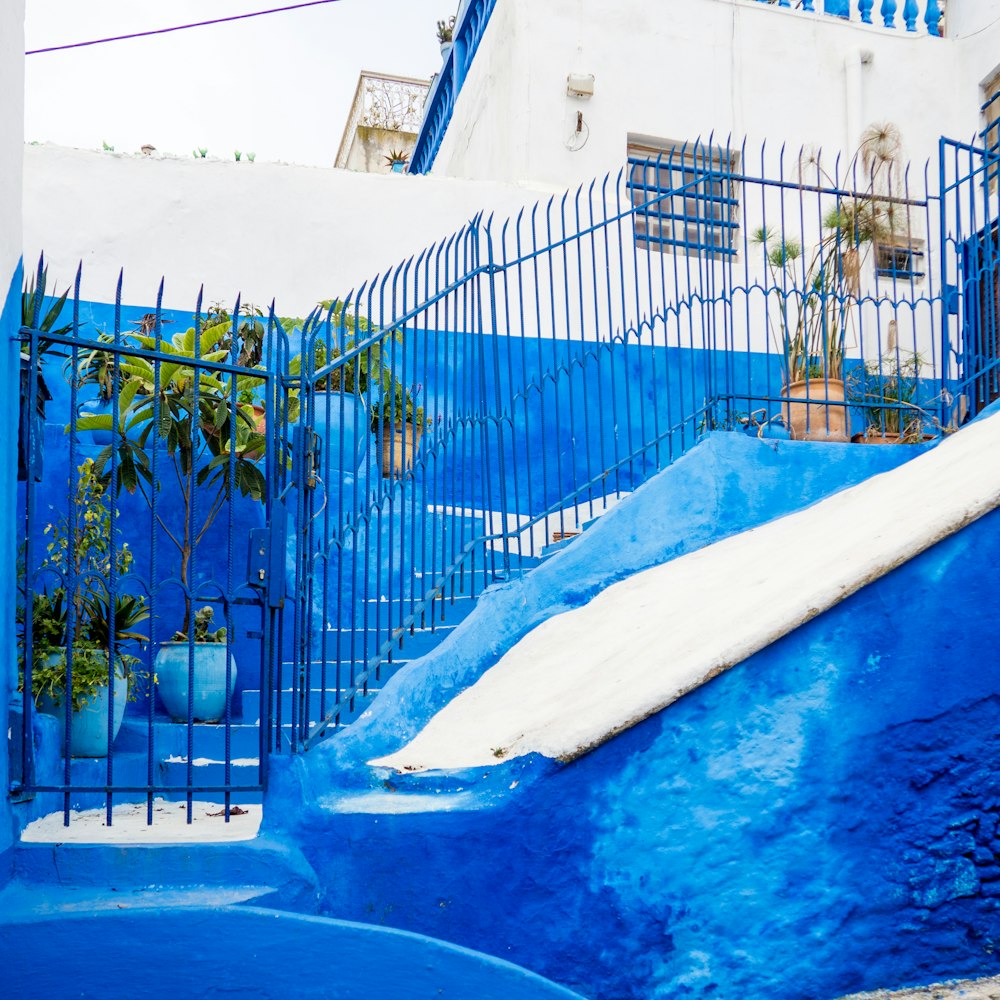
x=967, y=989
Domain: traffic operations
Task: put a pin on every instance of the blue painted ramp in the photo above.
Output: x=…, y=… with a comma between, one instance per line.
x=209, y=952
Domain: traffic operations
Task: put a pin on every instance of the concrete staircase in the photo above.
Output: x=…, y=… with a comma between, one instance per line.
x=202, y=764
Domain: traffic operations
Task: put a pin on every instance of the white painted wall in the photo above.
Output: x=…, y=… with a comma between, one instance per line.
x=967, y=17
x=301, y=234
x=684, y=69
x=977, y=27
x=296, y=234
x=371, y=148
x=11, y=136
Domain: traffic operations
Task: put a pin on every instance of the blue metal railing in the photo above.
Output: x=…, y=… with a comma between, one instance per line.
x=133, y=526
x=561, y=358
x=468, y=32
x=436, y=429
x=865, y=12
x=970, y=251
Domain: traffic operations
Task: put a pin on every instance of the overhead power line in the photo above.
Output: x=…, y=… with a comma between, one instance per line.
x=178, y=27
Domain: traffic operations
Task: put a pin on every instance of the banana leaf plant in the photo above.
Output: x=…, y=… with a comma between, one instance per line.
x=194, y=416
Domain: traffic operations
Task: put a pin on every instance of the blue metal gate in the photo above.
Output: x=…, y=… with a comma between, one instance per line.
x=340, y=489
x=143, y=612
x=970, y=252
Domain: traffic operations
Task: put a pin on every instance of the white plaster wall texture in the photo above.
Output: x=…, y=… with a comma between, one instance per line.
x=300, y=234
x=967, y=17
x=11, y=136
x=371, y=148
x=297, y=234
x=688, y=69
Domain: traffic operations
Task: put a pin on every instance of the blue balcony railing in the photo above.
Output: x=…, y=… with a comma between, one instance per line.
x=468, y=32
x=889, y=13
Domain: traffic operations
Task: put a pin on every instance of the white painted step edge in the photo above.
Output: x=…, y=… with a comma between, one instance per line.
x=583, y=676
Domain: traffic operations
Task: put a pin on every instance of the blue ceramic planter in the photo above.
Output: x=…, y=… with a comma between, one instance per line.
x=89, y=735
x=210, y=692
x=99, y=437
x=341, y=421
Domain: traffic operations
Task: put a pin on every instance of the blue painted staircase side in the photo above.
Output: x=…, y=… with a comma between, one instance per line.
x=726, y=484
x=818, y=820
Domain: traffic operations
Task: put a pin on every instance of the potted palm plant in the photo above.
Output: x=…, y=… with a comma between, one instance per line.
x=195, y=417
x=77, y=614
x=817, y=302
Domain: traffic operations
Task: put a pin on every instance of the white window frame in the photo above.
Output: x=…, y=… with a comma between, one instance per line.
x=686, y=197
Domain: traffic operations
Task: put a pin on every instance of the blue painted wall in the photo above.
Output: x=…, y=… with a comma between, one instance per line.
x=818, y=820
x=723, y=486
x=10, y=322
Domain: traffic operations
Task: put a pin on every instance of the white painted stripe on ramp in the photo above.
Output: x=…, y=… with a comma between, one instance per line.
x=581, y=677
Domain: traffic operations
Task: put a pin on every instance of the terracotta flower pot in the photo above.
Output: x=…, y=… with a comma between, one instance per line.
x=815, y=419
x=399, y=449
x=888, y=438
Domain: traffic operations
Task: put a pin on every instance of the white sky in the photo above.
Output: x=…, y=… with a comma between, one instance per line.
x=279, y=85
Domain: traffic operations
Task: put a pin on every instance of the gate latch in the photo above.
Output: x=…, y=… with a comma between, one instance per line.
x=305, y=456
x=266, y=557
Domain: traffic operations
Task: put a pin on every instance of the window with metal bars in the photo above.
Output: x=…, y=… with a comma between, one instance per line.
x=685, y=197
x=900, y=263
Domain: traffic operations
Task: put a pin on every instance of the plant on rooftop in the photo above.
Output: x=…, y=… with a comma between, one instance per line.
x=445, y=31
x=818, y=300
x=396, y=160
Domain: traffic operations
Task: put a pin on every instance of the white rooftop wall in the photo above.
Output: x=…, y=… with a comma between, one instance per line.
x=297, y=234
x=11, y=133
x=685, y=69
